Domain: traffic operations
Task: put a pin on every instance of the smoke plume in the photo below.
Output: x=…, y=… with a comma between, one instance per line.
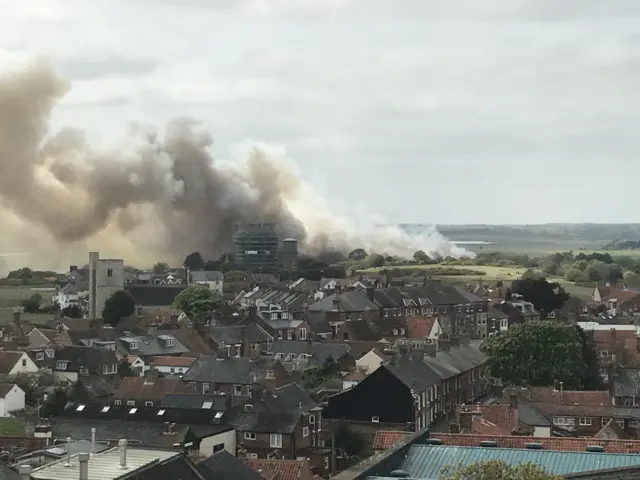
x=158, y=200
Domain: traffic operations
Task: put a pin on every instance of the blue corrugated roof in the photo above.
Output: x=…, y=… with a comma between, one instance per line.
x=425, y=462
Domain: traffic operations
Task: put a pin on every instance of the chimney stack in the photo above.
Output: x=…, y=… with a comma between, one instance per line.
x=25, y=472
x=93, y=441
x=513, y=401
x=83, y=458
x=122, y=445
x=68, y=450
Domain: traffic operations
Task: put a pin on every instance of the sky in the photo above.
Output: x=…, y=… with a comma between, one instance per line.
x=465, y=111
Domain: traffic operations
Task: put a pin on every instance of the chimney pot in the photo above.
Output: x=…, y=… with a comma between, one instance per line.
x=93, y=441
x=122, y=444
x=83, y=458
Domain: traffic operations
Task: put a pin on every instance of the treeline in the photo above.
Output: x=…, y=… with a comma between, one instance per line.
x=26, y=276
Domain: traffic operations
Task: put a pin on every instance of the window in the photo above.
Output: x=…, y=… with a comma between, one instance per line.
x=117, y=402
x=248, y=408
x=50, y=353
x=270, y=374
x=131, y=403
x=249, y=436
x=173, y=370
x=385, y=313
x=205, y=388
x=132, y=411
x=24, y=362
x=170, y=342
x=160, y=412
x=252, y=456
x=375, y=419
x=312, y=419
x=273, y=316
x=109, y=272
x=585, y=421
x=562, y=421
x=305, y=432
x=504, y=323
x=238, y=350
x=289, y=335
x=604, y=353
x=61, y=365
x=237, y=390
x=605, y=420
x=83, y=370
x=148, y=404
x=326, y=463
x=303, y=334
x=109, y=369
x=134, y=346
x=620, y=422
x=275, y=440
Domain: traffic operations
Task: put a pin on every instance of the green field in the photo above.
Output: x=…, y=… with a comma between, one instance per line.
x=506, y=274
x=11, y=297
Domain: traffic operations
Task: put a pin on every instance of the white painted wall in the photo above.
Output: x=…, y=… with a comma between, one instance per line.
x=369, y=362
x=436, y=331
x=24, y=365
x=171, y=370
x=215, y=285
x=66, y=299
x=542, y=432
x=347, y=384
x=12, y=401
x=227, y=438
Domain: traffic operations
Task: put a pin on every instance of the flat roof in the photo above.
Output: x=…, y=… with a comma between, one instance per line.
x=102, y=466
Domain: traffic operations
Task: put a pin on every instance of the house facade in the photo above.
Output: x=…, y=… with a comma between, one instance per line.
x=11, y=399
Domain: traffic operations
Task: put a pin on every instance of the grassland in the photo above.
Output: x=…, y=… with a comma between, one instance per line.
x=506, y=274
x=11, y=297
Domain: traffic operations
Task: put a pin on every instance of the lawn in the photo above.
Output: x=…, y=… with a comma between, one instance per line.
x=12, y=296
x=11, y=427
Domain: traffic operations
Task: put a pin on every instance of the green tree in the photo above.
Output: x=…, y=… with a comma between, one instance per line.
x=632, y=278
x=597, y=271
x=539, y=354
x=347, y=441
x=194, y=261
x=197, y=301
x=55, y=403
x=581, y=265
x=32, y=304
x=545, y=296
x=72, y=311
x=421, y=256
x=497, y=470
x=575, y=275
x=161, y=267
x=530, y=274
x=118, y=306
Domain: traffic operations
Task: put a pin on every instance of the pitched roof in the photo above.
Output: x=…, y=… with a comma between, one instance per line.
x=551, y=396
x=224, y=466
x=151, y=345
x=612, y=431
x=152, y=295
x=241, y=370
x=562, y=444
x=167, y=361
x=611, y=293
x=192, y=340
x=412, y=371
x=419, y=326
x=91, y=358
x=278, y=469
x=5, y=388
x=352, y=301
x=206, y=276
x=138, y=388
x=194, y=401
x=8, y=360
x=385, y=439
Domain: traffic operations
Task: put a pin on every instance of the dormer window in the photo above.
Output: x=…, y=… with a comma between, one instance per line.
x=61, y=365
x=248, y=408
x=40, y=356
x=134, y=346
x=170, y=342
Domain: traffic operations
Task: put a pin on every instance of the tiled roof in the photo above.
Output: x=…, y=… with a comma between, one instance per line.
x=278, y=469
x=8, y=360
x=224, y=466
x=610, y=293
x=385, y=439
x=172, y=361
x=419, y=326
x=482, y=426
x=192, y=340
x=428, y=461
x=138, y=388
x=241, y=370
x=155, y=295
x=562, y=444
x=550, y=396
x=612, y=431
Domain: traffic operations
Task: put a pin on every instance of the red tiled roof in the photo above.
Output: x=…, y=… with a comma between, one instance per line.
x=419, y=326
x=173, y=361
x=567, y=444
x=482, y=426
x=550, y=396
x=280, y=469
x=388, y=438
x=608, y=293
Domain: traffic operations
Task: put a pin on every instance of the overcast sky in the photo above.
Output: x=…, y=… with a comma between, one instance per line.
x=490, y=111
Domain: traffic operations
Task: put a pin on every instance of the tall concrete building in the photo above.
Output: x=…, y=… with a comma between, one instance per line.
x=106, y=276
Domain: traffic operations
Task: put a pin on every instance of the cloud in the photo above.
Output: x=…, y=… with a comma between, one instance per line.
x=425, y=111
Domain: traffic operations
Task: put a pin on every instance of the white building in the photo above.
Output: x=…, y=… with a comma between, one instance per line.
x=13, y=363
x=11, y=399
x=106, y=277
x=172, y=365
x=214, y=280
x=370, y=361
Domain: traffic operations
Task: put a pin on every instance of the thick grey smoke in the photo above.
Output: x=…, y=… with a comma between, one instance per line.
x=162, y=199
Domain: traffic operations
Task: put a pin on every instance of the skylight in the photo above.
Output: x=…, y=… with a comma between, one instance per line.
x=161, y=412
x=80, y=408
x=132, y=411
x=105, y=409
x=218, y=414
x=207, y=405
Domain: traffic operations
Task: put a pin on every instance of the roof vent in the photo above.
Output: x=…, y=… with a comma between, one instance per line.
x=488, y=444
x=533, y=446
x=399, y=474
x=595, y=449
x=433, y=441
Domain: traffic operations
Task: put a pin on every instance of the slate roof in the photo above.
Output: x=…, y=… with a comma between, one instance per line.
x=613, y=431
x=152, y=295
x=242, y=371
x=457, y=360
x=139, y=388
x=319, y=351
x=192, y=340
x=77, y=336
x=7, y=473
x=413, y=372
x=352, y=301
x=150, y=345
x=177, y=467
x=194, y=401
x=8, y=360
x=530, y=415
x=209, y=276
x=224, y=466
x=627, y=383
x=237, y=334
x=427, y=461
x=167, y=361
x=91, y=358
x=277, y=411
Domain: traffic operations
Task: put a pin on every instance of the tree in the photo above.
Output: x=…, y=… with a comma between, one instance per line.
x=597, y=271
x=575, y=275
x=591, y=379
x=348, y=441
x=124, y=369
x=118, y=306
x=615, y=273
x=539, y=354
x=632, y=278
x=358, y=254
x=72, y=311
x=197, y=301
x=497, y=470
x=529, y=275
x=421, y=256
x=55, y=403
x=32, y=304
x=194, y=261
x=375, y=260
x=546, y=297
x=161, y=267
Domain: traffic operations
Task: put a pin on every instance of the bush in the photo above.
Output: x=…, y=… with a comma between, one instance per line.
x=575, y=275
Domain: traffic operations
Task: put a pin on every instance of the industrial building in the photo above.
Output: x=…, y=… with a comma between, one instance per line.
x=256, y=247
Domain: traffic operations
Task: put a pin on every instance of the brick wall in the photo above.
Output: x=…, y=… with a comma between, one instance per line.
x=366, y=429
